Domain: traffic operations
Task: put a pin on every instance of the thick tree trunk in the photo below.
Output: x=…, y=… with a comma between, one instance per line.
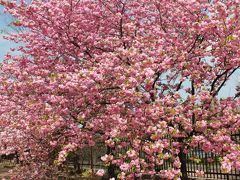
x=111, y=171
x=183, y=160
x=111, y=168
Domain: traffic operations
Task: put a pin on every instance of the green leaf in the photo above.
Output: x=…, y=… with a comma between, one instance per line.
x=53, y=76
x=196, y=160
x=229, y=38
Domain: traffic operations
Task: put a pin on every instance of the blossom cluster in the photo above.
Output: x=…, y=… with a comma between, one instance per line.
x=141, y=76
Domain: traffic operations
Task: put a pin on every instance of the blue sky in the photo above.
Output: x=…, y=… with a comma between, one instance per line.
x=4, y=44
x=228, y=90
x=230, y=87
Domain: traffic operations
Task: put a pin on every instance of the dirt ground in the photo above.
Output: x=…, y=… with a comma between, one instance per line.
x=4, y=171
x=7, y=166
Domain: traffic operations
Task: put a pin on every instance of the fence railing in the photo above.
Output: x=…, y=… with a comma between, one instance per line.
x=196, y=160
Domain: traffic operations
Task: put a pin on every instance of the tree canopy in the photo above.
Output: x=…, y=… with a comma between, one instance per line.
x=142, y=76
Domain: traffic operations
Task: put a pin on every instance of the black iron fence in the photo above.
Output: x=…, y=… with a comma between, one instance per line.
x=90, y=159
x=196, y=160
x=209, y=163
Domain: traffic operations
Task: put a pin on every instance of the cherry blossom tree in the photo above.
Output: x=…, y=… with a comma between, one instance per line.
x=143, y=76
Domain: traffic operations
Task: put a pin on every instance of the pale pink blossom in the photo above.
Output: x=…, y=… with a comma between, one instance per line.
x=100, y=172
x=199, y=173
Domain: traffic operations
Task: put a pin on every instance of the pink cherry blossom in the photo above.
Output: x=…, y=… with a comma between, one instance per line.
x=144, y=78
x=125, y=167
x=100, y=172
x=199, y=173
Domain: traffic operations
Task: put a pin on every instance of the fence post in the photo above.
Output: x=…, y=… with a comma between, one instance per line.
x=91, y=156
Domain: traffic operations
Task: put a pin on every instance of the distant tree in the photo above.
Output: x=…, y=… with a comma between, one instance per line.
x=142, y=75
